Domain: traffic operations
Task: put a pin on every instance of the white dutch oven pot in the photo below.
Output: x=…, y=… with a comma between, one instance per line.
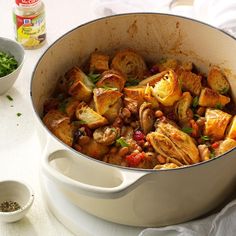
x=124, y=195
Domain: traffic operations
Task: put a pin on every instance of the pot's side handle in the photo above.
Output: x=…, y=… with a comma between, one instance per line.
x=125, y=180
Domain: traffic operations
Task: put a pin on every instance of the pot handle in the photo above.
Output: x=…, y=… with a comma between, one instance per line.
x=81, y=174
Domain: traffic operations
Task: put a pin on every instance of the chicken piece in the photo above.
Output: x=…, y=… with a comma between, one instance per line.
x=79, y=86
x=59, y=124
x=91, y=118
x=106, y=135
x=189, y=81
x=225, y=146
x=99, y=62
x=146, y=117
x=104, y=99
x=111, y=79
x=211, y=98
x=217, y=81
x=216, y=123
x=171, y=142
x=167, y=90
x=130, y=63
x=231, y=130
x=135, y=93
x=166, y=166
x=204, y=152
x=182, y=108
x=94, y=149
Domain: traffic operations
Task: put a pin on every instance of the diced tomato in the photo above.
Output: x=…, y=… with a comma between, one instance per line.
x=215, y=145
x=195, y=128
x=134, y=159
x=138, y=135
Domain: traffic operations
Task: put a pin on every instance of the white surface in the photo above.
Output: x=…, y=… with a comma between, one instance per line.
x=19, y=147
x=20, y=151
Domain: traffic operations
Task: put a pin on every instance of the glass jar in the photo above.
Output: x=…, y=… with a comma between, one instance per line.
x=29, y=23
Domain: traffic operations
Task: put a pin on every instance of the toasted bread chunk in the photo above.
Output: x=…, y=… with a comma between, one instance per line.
x=59, y=124
x=105, y=98
x=231, y=130
x=112, y=113
x=135, y=93
x=189, y=81
x=167, y=90
x=167, y=64
x=99, y=62
x=130, y=63
x=89, y=116
x=113, y=79
x=182, y=108
x=225, y=146
x=79, y=86
x=216, y=123
x=93, y=149
x=217, y=81
x=211, y=98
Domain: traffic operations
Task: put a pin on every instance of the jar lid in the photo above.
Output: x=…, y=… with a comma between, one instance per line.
x=27, y=3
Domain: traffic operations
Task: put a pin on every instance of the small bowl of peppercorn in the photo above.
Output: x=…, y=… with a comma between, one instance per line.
x=16, y=198
x=11, y=61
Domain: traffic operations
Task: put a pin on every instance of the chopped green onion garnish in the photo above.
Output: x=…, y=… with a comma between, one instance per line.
x=109, y=88
x=94, y=77
x=196, y=116
x=9, y=97
x=82, y=122
x=187, y=130
x=205, y=138
x=18, y=114
x=131, y=82
x=219, y=106
x=224, y=91
x=122, y=142
x=195, y=102
x=7, y=64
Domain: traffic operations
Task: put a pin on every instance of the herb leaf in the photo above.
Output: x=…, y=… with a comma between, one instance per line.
x=224, y=90
x=131, y=82
x=205, y=138
x=195, y=102
x=93, y=77
x=9, y=98
x=120, y=141
x=219, y=106
x=109, y=88
x=187, y=130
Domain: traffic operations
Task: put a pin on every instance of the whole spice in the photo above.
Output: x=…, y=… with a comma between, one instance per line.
x=9, y=206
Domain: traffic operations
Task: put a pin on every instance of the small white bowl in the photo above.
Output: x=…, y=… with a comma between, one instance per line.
x=12, y=48
x=15, y=191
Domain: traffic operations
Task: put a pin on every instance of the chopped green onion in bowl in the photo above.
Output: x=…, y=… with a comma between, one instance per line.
x=7, y=64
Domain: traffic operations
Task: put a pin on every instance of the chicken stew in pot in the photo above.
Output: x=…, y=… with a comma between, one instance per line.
x=123, y=111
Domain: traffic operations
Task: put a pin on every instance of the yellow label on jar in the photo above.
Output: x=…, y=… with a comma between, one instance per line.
x=30, y=30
